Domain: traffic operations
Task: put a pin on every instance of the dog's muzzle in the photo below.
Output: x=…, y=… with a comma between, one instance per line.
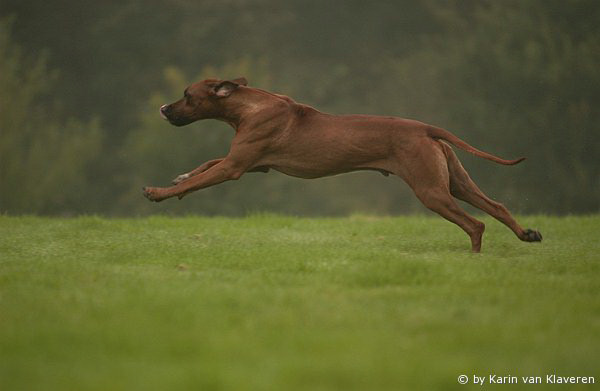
x=164, y=110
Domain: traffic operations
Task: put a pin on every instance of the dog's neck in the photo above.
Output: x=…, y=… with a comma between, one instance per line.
x=247, y=102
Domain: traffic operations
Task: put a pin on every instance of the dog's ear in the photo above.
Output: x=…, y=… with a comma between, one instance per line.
x=226, y=87
x=241, y=81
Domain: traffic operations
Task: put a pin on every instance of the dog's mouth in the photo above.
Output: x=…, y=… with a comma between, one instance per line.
x=173, y=118
x=178, y=121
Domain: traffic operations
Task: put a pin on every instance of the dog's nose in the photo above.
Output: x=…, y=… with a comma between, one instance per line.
x=164, y=111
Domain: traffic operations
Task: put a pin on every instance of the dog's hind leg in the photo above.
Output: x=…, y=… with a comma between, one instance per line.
x=463, y=188
x=429, y=179
x=440, y=201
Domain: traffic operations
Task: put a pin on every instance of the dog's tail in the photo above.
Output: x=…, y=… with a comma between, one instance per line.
x=439, y=133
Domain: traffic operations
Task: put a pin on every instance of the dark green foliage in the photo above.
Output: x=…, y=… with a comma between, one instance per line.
x=45, y=160
x=514, y=78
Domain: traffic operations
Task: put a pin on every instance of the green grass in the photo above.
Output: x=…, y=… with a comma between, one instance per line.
x=283, y=303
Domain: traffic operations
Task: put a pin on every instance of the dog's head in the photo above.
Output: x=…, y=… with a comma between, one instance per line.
x=201, y=100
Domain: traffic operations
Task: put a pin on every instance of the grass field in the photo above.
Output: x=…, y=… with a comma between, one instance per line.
x=282, y=303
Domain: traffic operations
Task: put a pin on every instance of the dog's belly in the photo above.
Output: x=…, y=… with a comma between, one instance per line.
x=304, y=172
x=305, y=161
x=312, y=174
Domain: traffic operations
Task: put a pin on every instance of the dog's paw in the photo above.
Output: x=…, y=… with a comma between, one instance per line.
x=530, y=235
x=180, y=178
x=153, y=193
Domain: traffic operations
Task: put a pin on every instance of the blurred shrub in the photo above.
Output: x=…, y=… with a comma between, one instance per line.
x=44, y=163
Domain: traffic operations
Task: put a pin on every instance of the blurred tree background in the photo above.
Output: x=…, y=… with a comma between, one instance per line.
x=81, y=82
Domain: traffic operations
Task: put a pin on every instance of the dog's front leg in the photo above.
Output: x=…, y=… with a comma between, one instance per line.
x=196, y=171
x=222, y=171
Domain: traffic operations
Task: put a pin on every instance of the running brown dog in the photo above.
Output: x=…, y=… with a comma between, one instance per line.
x=274, y=132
